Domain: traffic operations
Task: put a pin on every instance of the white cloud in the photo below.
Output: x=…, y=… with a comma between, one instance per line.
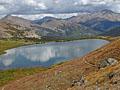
x=7, y=62
x=85, y=2
x=2, y=8
x=8, y=58
x=42, y=5
x=35, y=4
x=40, y=16
x=33, y=17
x=34, y=54
x=56, y=1
x=55, y=6
x=117, y=8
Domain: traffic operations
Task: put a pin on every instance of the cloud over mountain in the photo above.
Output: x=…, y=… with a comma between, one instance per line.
x=55, y=6
x=36, y=7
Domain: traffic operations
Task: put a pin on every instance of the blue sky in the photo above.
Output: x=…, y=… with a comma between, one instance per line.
x=61, y=8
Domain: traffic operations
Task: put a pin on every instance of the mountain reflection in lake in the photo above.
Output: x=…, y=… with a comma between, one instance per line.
x=48, y=54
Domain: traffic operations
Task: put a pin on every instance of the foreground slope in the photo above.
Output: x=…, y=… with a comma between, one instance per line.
x=99, y=69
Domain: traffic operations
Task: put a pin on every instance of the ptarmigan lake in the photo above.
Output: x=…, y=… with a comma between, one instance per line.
x=45, y=55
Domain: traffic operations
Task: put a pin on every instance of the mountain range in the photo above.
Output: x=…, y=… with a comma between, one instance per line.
x=88, y=24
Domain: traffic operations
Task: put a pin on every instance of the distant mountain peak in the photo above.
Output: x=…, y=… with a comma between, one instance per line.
x=7, y=16
x=45, y=19
x=10, y=17
x=15, y=20
x=48, y=17
x=106, y=11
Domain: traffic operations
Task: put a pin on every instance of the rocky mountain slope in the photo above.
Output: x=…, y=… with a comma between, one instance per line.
x=115, y=31
x=104, y=14
x=15, y=27
x=11, y=26
x=68, y=29
x=99, y=70
x=88, y=24
x=98, y=22
x=44, y=20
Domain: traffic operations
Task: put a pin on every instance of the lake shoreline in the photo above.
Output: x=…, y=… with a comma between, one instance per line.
x=43, y=42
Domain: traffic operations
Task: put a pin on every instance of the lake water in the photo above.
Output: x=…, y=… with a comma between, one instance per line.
x=45, y=55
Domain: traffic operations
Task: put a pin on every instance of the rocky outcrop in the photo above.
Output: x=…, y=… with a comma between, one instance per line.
x=107, y=62
x=31, y=34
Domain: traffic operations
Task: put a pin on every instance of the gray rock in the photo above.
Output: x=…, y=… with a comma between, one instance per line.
x=107, y=62
x=112, y=61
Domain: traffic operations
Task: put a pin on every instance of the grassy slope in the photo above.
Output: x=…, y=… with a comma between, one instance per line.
x=61, y=77
x=7, y=44
x=10, y=75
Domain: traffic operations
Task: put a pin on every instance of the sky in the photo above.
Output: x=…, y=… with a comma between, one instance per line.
x=33, y=9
